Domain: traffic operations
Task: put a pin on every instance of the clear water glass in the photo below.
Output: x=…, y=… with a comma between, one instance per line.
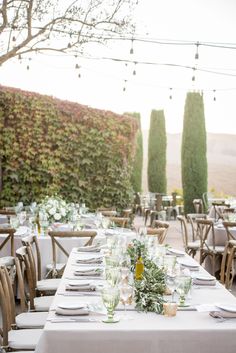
x=183, y=287
x=126, y=296
x=113, y=276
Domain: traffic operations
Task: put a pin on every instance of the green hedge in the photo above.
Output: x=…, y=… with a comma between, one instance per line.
x=50, y=146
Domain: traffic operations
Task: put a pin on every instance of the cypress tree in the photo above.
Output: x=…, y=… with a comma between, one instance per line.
x=193, y=151
x=136, y=177
x=157, y=153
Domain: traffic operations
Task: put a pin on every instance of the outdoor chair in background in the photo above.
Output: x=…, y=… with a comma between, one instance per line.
x=9, y=233
x=122, y=222
x=160, y=229
x=208, y=247
x=191, y=218
x=227, y=271
x=198, y=206
x=229, y=226
x=56, y=236
x=191, y=248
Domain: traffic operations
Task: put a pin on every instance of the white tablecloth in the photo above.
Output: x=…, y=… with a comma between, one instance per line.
x=189, y=331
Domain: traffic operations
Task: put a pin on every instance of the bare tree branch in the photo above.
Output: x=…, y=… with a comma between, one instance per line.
x=61, y=25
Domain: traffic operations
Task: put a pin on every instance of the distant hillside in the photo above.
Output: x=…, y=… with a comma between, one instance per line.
x=221, y=155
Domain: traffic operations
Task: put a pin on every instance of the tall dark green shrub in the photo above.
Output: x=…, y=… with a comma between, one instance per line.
x=157, y=153
x=193, y=151
x=136, y=176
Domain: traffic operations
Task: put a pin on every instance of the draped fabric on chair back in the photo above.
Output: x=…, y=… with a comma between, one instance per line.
x=9, y=232
x=57, y=235
x=32, y=242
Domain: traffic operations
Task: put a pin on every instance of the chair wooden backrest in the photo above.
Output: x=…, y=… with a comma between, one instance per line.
x=111, y=213
x=57, y=235
x=9, y=238
x=160, y=233
x=205, y=230
x=7, y=212
x=22, y=254
x=184, y=231
x=158, y=202
x=228, y=227
x=227, y=270
x=156, y=224
x=122, y=222
x=218, y=209
x=198, y=205
x=191, y=218
x=32, y=242
x=106, y=209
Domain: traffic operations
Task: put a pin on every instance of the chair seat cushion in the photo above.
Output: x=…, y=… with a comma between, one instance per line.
x=48, y=284
x=43, y=303
x=31, y=320
x=194, y=244
x=218, y=248
x=7, y=261
x=24, y=339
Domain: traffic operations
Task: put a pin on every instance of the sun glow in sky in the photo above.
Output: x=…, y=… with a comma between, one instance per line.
x=102, y=81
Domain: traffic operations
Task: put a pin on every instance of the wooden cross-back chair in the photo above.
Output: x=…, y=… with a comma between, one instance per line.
x=161, y=234
x=9, y=232
x=12, y=339
x=122, y=222
x=227, y=271
x=7, y=212
x=191, y=218
x=55, y=238
x=198, y=205
x=32, y=242
x=207, y=238
x=191, y=248
x=229, y=226
x=36, y=303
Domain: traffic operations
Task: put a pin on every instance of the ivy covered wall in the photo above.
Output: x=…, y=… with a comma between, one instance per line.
x=51, y=146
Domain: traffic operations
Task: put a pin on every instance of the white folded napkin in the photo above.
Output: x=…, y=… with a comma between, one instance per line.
x=85, y=271
x=209, y=282
x=81, y=286
x=89, y=248
x=90, y=260
x=223, y=314
x=77, y=309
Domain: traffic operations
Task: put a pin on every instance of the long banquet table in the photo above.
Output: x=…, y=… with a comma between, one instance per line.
x=189, y=331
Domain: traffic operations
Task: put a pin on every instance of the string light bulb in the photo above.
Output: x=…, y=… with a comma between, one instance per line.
x=197, y=54
x=132, y=48
x=214, y=98
x=134, y=72
x=77, y=66
x=170, y=96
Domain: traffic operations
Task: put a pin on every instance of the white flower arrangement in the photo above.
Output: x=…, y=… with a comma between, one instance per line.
x=55, y=209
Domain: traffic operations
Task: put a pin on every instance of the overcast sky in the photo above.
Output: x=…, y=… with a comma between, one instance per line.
x=102, y=81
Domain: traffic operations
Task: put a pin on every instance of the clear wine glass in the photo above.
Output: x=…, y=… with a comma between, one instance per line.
x=126, y=296
x=125, y=271
x=111, y=298
x=171, y=282
x=14, y=222
x=22, y=217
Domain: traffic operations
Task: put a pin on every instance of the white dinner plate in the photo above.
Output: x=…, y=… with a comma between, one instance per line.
x=227, y=307
x=72, y=306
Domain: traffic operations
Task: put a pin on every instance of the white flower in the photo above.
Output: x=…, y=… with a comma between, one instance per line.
x=57, y=216
x=52, y=211
x=63, y=212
